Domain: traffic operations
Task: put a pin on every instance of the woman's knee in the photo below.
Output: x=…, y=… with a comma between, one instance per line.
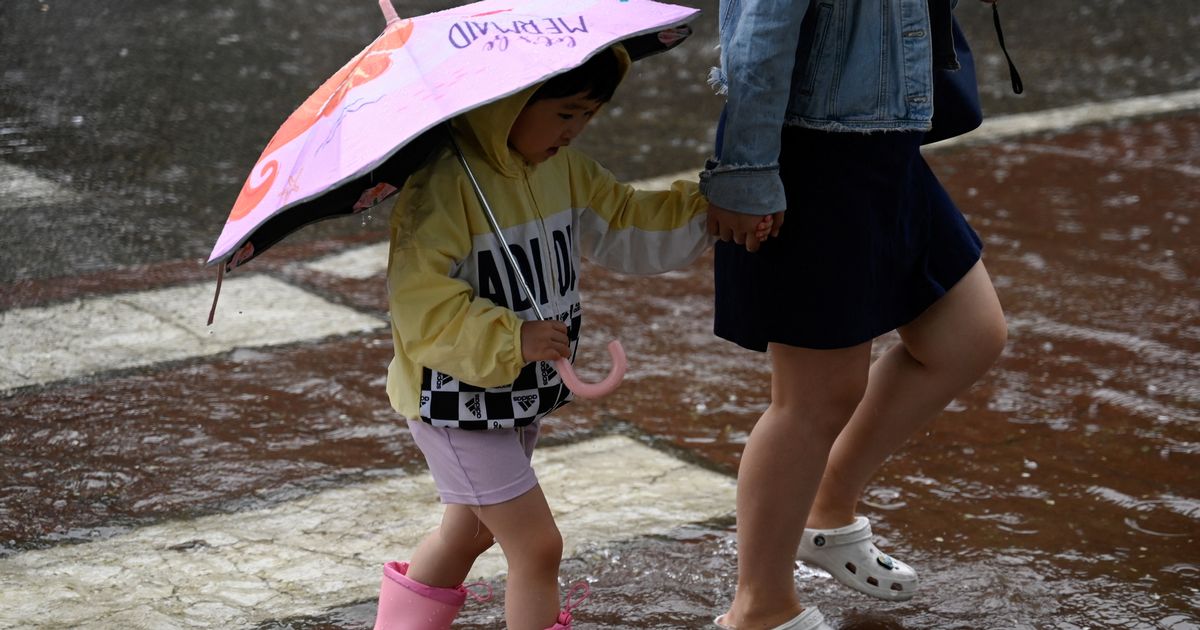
x=819, y=383
x=837, y=400
x=974, y=349
x=987, y=335
x=822, y=412
x=964, y=332
x=993, y=337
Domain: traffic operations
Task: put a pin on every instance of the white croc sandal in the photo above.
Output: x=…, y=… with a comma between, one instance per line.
x=810, y=619
x=848, y=554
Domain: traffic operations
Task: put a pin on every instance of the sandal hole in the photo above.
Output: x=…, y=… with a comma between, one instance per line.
x=896, y=586
x=850, y=566
x=872, y=581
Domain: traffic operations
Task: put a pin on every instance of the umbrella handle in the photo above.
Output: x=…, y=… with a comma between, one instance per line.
x=389, y=11
x=605, y=386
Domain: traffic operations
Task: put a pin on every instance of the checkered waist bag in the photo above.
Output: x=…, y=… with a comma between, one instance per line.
x=449, y=402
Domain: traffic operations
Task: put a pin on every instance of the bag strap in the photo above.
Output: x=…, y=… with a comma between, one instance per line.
x=1017, y=85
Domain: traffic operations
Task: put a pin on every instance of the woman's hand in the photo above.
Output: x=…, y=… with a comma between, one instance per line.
x=744, y=229
x=544, y=341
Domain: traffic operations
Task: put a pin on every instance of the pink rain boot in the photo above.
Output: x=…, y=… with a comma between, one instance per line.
x=405, y=604
x=564, y=617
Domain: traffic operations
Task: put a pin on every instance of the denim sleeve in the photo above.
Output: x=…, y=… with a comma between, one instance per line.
x=758, y=53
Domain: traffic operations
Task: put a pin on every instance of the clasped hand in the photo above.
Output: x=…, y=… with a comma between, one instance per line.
x=744, y=229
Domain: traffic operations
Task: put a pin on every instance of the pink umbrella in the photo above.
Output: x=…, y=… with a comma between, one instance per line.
x=355, y=140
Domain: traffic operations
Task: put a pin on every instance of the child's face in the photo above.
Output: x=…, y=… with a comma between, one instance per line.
x=546, y=125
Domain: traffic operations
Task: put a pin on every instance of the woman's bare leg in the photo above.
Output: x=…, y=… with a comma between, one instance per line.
x=945, y=350
x=813, y=394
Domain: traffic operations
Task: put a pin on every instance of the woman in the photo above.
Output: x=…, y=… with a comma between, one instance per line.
x=827, y=105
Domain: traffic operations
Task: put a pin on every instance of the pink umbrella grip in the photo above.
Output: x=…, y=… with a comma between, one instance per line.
x=604, y=387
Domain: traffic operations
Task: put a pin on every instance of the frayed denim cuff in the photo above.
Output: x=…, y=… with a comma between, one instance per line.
x=746, y=189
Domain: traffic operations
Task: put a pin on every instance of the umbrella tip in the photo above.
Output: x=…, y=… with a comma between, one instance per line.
x=389, y=11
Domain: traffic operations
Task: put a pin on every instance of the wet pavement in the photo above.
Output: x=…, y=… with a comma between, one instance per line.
x=1060, y=492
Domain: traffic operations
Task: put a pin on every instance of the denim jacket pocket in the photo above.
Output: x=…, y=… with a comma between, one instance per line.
x=813, y=35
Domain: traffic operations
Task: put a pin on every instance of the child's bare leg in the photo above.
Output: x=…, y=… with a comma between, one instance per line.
x=445, y=556
x=813, y=394
x=525, y=529
x=944, y=351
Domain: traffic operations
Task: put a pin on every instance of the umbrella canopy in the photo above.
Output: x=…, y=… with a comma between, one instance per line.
x=358, y=137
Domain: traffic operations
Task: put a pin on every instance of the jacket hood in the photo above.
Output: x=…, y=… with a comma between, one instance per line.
x=486, y=127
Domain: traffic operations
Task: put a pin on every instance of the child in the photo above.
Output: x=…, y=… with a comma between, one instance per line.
x=473, y=370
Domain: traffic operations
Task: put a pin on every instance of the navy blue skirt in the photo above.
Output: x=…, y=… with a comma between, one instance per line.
x=870, y=240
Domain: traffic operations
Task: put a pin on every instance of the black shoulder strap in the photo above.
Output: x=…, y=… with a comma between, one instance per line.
x=1015, y=76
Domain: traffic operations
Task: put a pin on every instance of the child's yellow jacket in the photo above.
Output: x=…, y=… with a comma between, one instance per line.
x=456, y=307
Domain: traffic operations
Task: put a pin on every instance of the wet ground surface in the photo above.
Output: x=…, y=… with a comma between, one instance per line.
x=1059, y=492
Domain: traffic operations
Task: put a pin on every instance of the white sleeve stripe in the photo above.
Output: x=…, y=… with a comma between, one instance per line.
x=639, y=251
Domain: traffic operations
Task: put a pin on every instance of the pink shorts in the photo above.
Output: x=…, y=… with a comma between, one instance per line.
x=478, y=467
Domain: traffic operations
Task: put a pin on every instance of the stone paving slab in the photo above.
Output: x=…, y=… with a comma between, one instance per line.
x=21, y=189
x=357, y=263
x=327, y=549
x=85, y=336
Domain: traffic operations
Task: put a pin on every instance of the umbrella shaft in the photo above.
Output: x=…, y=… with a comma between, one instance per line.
x=389, y=11
x=487, y=211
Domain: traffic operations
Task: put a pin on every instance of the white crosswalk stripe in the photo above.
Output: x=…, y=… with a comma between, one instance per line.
x=311, y=554
x=86, y=336
x=21, y=190
x=358, y=263
x=1066, y=118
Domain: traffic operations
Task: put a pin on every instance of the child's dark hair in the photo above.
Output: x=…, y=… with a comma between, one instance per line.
x=598, y=77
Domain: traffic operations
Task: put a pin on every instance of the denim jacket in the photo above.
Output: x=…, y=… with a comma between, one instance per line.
x=833, y=65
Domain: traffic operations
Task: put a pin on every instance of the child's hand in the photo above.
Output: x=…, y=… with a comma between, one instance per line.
x=769, y=226
x=763, y=229
x=544, y=341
